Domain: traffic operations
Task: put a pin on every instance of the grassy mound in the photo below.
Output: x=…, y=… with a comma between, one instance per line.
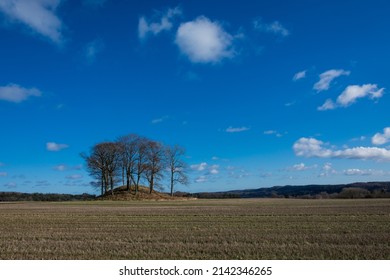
x=121, y=193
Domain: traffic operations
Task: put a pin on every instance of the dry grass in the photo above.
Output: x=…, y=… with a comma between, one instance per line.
x=200, y=229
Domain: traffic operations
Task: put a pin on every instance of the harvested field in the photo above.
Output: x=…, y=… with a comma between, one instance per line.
x=199, y=229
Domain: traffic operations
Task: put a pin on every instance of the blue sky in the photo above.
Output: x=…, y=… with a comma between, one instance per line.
x=260, y=93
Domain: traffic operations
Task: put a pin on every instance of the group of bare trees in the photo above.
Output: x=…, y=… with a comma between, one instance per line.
x=131, y=160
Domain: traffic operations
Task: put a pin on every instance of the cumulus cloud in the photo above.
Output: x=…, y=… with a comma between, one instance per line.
x=274, y=27
x=327, y=77
x=351, y=94
x=354, y=92
x=381, y=138
x=311, y=147
x=231, y=129
x=55, y=147
x=299, y=75
x=204, y=41
x=16, y=93
x=39, y=15
x=163, y=23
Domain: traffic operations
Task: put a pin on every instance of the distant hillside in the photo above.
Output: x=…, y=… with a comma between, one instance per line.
x=354, y=190
x=16, y=196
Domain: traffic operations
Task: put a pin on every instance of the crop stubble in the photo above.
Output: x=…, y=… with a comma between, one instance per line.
x=201, y=229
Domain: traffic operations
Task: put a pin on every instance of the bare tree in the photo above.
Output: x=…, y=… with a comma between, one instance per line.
x=112, y=162
x=140, y=161
x=135, y=158
x=100, y=165
x=128, y=148
x=154, y=163
x=176, y=166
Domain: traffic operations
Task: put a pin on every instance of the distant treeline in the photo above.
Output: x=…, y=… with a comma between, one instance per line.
x=354, y=190
x=16, y=196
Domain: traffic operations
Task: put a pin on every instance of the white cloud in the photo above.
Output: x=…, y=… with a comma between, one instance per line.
x=3, y=174
x=38, y=15
x=328, y=105
x=214, y=169
x=201, y=179
x=15, y=93
x=164, y=23
x=10, y=185
x=92, y=49
x=299, y=167
x=354, y=92
x=160, y=120
x=299, y=75
x=356, y=171
x=273, y=132
x=327, y=169
x=60, y=167
x=327, y=77
x=231, y=129
x=199, y=167
x=204, y=41
x=54, y=147
x=311, y=147
x=351, y=94
x=74, y=177
x=275, y=27
x=381, y=138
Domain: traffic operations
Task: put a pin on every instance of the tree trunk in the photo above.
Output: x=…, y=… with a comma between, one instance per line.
x=172, y=183
x=151, y=183
x=128, y=183
x=112, y=185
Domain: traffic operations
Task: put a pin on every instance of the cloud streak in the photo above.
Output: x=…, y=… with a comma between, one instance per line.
x=351, y=94
x=55, y=147
x=300, y=75
x=275, y=27
x=231, y=129
x=92, y=49
x=327, y=77
x=16, y=93
x=164, y=23
x=38, y=15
